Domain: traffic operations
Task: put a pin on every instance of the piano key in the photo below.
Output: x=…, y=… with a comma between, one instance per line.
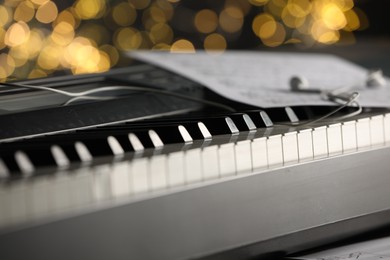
x=17, y=208
x=220, y=125
x=59, y=191
x=184, y=134
x=243, y=122
x=259, y=153
x=176, y=169
x=38, y=205
x=83, y=152
x=320, y=142
x=363, y=133
x=243, y=156
x=135, y=143
x=116, y=148
x=59, y=156
x=348, y=130
x=80, y=188
x=25, y=165
x=377, y=130
x=120, y=180
x=4, y=206
x=335, y=145
x=156, y=140
x=4, y=172
x=102, y=182
x=275, y=150
x=386, y=124
x=140, y=176
x=260, y=118
x=305, y=145
x=193, y=165
x=282, y=114
x=227, y=165
x=290, y=148
x=158, y=172
x=210, y=168
x=205, y=132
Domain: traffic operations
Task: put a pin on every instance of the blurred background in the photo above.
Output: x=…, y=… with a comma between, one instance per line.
x=38, y=38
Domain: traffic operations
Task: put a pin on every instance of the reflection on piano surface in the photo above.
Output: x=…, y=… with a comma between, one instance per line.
x=176, y=180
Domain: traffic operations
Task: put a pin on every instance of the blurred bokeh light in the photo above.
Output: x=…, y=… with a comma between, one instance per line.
x=40, y=37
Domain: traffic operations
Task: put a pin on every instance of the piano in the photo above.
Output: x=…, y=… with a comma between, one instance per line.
x=155, y=175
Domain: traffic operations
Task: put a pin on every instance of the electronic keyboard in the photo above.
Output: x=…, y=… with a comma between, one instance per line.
x=149, y=175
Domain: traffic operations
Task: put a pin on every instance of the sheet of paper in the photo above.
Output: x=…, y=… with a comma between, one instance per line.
x=378, y=249
x=262, y=78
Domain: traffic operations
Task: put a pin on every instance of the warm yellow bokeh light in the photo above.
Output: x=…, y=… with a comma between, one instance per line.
x=140, y=4
x=17, y=34
x=215, y=43
x=206, y=21
x=161, y=33
x=182, y=46
x=5, y=16
x=277, y=38
x=7, y=65
x=353, y=21
x=67, y=17
x=127, y=39
x=333, y=17
x=259, y=21
x=112, y=53
x=90, y=9
x=258, y=2
x=47, y=12
x=231, y=19
x=62, y=34
x=124, y=14
x=24, y=12
x=2, y=36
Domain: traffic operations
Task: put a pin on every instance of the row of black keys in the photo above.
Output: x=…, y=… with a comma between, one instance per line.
x=23, y=157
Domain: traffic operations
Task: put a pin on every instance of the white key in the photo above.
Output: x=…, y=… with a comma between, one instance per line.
x=38, y=197
x=59, y=190
x=120, y=179
x=305, y=145
x=83, y=152
x=59, y=156
x=377, y=130
x=140, y=176
x=210, y=163
x=17, y=203
x=227, y=160
x=320, y=142
x=136, y=143
x=115, y=146
x=203, y=129
x=290, y=148
x=363, y=133
x=4, y=206
x=157, y=143
x=387, y=127
x=4, y=173
x=184, y=134
x=335, y=145
x=259, y=153
x=275, y=150
x=80, y=188
x=24, y=163
x=243, y=156
x=348, y=130
x=102, y=183
x=176, y=175
x=158, y=172
x=193, y=165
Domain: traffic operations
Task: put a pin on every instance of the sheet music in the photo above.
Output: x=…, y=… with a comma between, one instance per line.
x=262, y=78
x=378, y=249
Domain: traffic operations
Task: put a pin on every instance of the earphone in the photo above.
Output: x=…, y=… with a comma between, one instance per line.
x=374, y=79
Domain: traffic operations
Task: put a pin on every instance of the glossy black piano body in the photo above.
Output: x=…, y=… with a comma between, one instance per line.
x=280, y=208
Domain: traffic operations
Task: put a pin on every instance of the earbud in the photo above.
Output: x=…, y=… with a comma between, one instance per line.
x=375, y=79
x=301, y=84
